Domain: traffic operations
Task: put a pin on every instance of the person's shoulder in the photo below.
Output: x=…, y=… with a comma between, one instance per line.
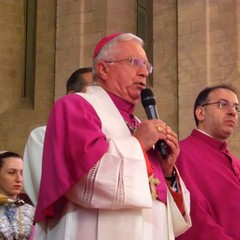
x=70, y=98
x=72, y=104
x=24, y=196
x=38, y=130
x=187, y=145
x=29, y=207
x=28, y=211
x=37, y=134
x=185, y=140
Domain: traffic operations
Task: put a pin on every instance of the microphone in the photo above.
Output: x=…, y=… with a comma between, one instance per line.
x=149, y=104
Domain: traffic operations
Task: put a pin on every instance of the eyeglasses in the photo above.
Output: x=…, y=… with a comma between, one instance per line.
x=224, y=105
x=136, y=62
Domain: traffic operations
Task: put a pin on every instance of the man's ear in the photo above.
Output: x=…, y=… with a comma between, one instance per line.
x=102, y=69
x=200, y=113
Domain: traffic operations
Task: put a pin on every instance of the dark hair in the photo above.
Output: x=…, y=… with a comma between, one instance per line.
x=202, y=97
x=76, y=82
x=7, y=154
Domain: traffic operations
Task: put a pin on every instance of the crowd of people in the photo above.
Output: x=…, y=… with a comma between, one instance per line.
x=94, y=173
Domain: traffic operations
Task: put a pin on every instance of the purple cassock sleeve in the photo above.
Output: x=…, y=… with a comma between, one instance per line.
x=74, y=142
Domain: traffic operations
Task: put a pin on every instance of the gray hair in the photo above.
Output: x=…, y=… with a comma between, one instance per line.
x=107, y=51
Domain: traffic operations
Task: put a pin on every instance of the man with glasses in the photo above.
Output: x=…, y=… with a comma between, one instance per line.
x=102, y=178
x=210, y=171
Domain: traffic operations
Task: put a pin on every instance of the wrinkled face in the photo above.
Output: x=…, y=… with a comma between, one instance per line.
x=11, y=177
x=123, y=78
x=219, y=122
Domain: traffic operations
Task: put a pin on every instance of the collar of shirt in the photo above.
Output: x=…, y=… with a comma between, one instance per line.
x=209, y=139
x=125, y=108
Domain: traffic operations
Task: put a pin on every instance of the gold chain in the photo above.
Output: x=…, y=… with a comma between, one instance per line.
x=132, y=130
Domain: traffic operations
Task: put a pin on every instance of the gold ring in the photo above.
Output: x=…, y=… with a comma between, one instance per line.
x=160, y=129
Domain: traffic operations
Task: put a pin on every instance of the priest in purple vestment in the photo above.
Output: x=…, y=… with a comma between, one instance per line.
x=102, y=179
x=210, y=171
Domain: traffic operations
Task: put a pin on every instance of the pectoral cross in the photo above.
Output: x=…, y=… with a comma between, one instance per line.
x=152, y=182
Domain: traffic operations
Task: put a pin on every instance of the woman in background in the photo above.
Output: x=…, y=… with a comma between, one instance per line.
x=16, y=216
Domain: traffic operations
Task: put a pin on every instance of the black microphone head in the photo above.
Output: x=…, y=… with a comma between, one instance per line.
x=147, y=97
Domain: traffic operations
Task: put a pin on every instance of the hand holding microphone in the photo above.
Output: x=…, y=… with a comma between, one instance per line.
x=149, y=104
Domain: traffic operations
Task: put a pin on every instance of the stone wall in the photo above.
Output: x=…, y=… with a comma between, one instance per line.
x=208, y=54
x=20, y=114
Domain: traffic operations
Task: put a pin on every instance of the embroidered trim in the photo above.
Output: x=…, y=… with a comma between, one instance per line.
x=120, y=196
x=89, y=180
